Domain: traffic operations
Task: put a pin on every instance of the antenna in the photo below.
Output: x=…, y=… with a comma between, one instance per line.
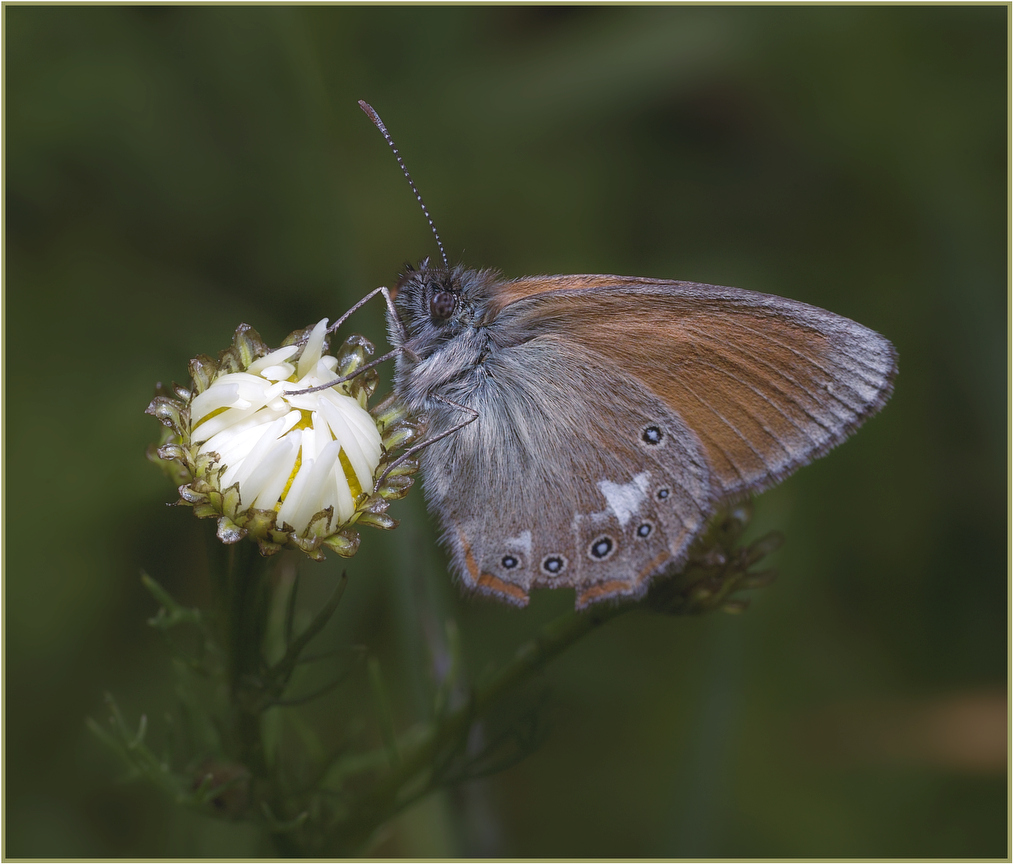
x=387, y=137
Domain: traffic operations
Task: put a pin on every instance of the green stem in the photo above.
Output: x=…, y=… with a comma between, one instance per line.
x=282, y=671
x=243, y=595
x=385, y=801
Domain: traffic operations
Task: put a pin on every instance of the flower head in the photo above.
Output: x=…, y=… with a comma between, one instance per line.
x=283, y=467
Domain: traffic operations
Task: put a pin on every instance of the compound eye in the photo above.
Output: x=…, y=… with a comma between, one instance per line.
x=442, y=305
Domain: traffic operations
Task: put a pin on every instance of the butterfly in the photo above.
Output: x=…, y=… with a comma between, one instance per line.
x=599, y=421
x=583, y=429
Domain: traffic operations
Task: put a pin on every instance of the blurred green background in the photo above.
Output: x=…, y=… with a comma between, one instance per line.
x=171, y=172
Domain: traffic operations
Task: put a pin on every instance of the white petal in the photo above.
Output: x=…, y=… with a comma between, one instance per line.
x=312, y=444
x=213, y=399
x=290, y=506
x=341, y=494
x=278, y=372
x=234, y=420
x=235, y=442
x=279, y=355
x=262, y=447
x=323, y=373
x=273, y=474
x=235, y=389
x=234, y=451
x=360, y=422
x=310, y=497
x=312, y=350
x=244, y=421
x=350, y=444
x=305, y=401
x=275, y=396
x=366, y=428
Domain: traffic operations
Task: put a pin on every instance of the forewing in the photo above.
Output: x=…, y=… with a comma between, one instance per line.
x=766, y=384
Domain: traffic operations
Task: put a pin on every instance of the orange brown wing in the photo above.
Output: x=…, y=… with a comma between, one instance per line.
x=767, y=384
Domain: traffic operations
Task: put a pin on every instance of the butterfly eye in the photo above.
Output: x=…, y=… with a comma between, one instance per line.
x=442, y=305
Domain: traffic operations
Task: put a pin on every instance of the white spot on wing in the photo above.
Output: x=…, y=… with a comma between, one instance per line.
x=522, y=541
x=625, y=499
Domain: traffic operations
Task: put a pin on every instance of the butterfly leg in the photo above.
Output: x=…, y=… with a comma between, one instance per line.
x=473, y=416
x=358, y=371
x=373, y=363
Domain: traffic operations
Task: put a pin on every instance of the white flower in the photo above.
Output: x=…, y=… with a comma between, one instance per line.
x=283, y=468
x=296, y=453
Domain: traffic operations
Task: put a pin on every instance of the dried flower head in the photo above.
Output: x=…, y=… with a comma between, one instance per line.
x=285, y=468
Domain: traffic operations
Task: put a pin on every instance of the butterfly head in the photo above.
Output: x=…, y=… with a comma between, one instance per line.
x=436, y=303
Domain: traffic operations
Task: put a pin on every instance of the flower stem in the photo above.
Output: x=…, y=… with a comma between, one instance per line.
x=388, y=797
x=243, y=605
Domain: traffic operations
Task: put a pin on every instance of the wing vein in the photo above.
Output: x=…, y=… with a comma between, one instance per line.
x=732, y=427
x=789, y=396
x=798, y=353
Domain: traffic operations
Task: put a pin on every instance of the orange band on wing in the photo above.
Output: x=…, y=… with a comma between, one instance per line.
x=470, y=562
x=488, y=581
x=601, y=590
x=656, y=562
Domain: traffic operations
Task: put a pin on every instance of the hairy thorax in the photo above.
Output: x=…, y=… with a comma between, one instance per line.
x=451, y=369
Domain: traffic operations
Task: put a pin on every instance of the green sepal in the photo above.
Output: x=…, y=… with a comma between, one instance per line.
x=228, y=532
x=378, y=521
x=345, y=543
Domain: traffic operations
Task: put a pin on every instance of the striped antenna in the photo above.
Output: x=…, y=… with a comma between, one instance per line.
x=387, y=137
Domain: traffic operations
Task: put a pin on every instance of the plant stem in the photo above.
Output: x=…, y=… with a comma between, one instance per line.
x=385, y=800
x=244, y=610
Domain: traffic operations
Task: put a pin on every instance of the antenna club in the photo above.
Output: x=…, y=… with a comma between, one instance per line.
x=373, y=115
